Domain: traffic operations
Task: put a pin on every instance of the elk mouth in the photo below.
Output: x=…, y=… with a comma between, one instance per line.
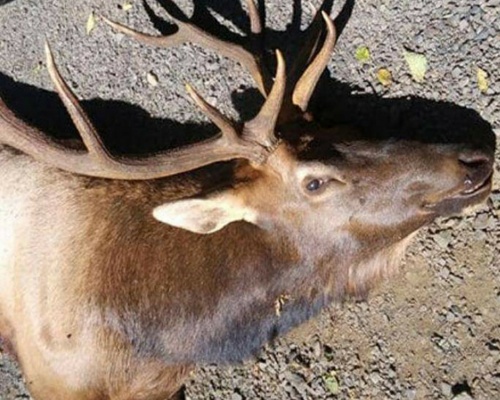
x=471, y=196
x=479, y=187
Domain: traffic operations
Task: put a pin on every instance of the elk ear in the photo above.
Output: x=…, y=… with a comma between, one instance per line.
x=203, y=215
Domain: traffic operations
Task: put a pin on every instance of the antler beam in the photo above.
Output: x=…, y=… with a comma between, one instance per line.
x=97, y=161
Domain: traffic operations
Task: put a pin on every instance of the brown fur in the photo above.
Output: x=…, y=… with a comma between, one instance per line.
x=109, y=303
x=116, y=290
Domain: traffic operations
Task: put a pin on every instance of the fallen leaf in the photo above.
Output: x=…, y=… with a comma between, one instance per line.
x=38, y=68
x=126, y=6
x=417, y=64
x=482, y=80
x=90, y=23
x=363, y=54
x=152, y=79
x=384, y=76
x=331, y=383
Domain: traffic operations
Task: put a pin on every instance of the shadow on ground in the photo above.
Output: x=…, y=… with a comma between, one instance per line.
x=126, y=128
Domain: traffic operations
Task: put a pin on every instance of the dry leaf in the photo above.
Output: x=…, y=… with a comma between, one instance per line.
x=126, y=6
x=363, y=54
x=90, y=23
x=384, y=76
x=152, y=79
x=331, y=383
x=38, y=68
x=417, y=64
x=482, y=80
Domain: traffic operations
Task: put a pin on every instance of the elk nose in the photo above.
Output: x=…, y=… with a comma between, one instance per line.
x=478, y=168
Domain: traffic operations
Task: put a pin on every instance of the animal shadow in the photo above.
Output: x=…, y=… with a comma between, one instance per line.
x=129, y=129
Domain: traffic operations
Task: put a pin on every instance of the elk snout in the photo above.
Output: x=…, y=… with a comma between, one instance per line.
x=472, y=185
x=478, y=167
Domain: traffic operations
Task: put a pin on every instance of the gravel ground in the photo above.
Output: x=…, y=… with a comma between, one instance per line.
x=433, y=332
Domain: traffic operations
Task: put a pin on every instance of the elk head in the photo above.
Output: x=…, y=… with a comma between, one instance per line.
x=312, y=189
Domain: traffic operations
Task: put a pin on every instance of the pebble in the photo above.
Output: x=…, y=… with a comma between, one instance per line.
x=444, y=272
x=445, y=389
x=474, y=10
x=463, y=25
x=463, y=396
x=411, y=394
x=481, y=221
x=480, y=236
x=443, y=238
x=375, y=378
x=482, y=35
x=456, y=72
x=152, y=79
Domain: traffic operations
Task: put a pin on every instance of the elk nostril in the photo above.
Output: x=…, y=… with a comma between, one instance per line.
x=474, y=160
x=474, y=165
x=476, y=169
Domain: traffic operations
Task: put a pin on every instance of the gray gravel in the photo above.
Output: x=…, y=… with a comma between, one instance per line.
x=433, y=332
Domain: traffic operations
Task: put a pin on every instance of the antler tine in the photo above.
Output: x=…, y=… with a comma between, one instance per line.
x=254, y=151
x=188, y=32
x=16, y=133
x=150, y=40
x=261, y=128
x=255, y=21
x=308, y=49
x=307, y=82
x=98, y=162
x=88, y=133
x=224, y=124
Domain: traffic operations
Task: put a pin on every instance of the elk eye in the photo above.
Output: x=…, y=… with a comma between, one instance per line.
x=314, y=185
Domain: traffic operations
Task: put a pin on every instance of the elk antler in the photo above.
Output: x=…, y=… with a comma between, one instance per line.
x=97, y=161
x=260, y=129
x=188, y=32
x=307, y=83
x=299, y=86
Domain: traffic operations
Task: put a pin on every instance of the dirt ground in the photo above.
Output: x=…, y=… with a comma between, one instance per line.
x=432, y=332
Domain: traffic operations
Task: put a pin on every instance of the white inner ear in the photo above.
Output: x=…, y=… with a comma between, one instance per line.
x=203, y=215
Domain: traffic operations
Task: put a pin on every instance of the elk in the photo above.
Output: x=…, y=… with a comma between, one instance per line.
x=119, y=274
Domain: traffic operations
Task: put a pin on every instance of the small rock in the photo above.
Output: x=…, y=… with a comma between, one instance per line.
x=375, y=378
x=411, y=394
x=444, y=272
x=452, y=222
x=294, y=378
x=482, y=35
x=456, y=72
x=463, y=25
x=445, y=389
x=152, y=79
x=317, y=349
x=450, y=317
x=480, y=236
x=475, y=10
x=495, y=198
x=481, y=221
x=443, y=238
x=462, y=396
x=478, y=319
x=213, y=66
x=455, y=309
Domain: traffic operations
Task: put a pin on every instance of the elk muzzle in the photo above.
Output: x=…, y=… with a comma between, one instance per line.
x=475, y=172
